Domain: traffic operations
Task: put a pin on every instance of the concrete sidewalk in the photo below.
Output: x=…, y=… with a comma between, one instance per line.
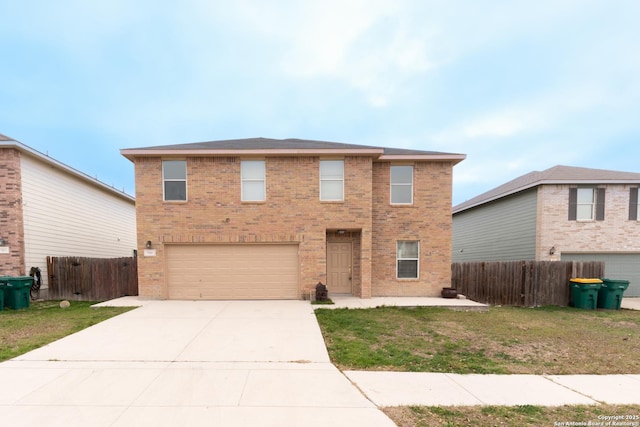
x=349, y=301
x=433, y=389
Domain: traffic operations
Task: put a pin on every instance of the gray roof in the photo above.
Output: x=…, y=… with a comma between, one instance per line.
x=267, y=144
x=556, y=175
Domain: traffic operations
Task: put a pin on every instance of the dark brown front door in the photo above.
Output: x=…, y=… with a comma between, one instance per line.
x=339, y=267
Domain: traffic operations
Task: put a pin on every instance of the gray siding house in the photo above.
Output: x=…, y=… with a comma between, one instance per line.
x=559, y=214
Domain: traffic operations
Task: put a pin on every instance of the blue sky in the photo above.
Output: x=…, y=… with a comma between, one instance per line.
x=516, y=85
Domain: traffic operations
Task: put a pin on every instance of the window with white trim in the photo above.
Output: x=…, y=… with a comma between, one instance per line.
x=253, y=180
x=174, y=180
x=332, y=180
x=401, y=185
x=586, y=204
x=407, y=259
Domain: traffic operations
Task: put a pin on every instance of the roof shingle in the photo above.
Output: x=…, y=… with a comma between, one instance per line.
x=283, y=144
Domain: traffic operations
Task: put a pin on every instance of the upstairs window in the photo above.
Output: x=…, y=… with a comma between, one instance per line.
x=332, y=180
x=586, y=204
x=407, y=259
x=401, y=185
x=174, y=178
x=634, y=204
x=253, y=180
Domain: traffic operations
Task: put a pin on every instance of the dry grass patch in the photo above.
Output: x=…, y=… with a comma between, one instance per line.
x=512, y=416
x=504, y=340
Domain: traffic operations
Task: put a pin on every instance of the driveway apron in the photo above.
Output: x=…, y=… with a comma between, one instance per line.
x=187, y=363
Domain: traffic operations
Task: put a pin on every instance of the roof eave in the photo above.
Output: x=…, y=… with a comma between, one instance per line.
x=455, y=158
x=133, y=153
x=68, y=169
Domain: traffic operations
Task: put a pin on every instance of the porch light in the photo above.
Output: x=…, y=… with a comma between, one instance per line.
x=148, y=245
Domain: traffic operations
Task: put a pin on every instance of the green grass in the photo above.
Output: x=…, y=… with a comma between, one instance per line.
x=527, y=415
x=44, y=321
x=504, y=340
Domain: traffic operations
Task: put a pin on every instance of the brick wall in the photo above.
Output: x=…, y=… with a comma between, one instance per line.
x=11, y=217
x=615, y=233
x=428, y=220
x=293, y=212
x=214, y=213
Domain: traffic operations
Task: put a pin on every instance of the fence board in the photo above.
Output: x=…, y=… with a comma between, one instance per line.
x=92, y=279
x=521, y=283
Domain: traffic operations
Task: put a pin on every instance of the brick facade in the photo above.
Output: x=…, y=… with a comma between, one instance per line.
x=11, y=217
x=293, y=212
x=616, y=233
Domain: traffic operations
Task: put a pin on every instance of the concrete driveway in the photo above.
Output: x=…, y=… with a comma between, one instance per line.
x=184, y=363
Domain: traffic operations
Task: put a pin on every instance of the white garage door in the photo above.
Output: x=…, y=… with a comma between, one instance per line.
x=244, y=271
x=617, y=266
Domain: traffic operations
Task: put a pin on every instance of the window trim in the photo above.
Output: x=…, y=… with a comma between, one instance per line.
x=321, y=180
x=398, y=259
x=165, y=180
x=592, y=215
x=392, y=185
x=597, y=205
x=263, y=180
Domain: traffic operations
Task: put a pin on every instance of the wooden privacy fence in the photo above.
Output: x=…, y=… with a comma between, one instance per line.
x=92, y=279
x=521, y=283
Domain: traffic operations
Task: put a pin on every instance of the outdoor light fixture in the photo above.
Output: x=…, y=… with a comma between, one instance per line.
x=341, y=231
x=148, y=245
x=2, y=241
x=552, y=250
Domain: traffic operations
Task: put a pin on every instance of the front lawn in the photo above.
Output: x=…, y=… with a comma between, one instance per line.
x=504, y=340
x=44, y=321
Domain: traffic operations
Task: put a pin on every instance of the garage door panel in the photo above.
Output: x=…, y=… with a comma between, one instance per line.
x=232, y=271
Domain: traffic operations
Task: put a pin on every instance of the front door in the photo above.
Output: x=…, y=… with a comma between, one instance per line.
x=339, y=267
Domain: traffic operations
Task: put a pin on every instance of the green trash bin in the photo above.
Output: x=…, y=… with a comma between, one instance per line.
x=584, y=293
x=2, y=286
x=610, y=294
x=17, y=293
x=3, y=290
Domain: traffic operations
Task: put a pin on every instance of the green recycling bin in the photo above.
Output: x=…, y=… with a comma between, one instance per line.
x=584, y=293
x=2, y=286
x=3, y=290
x=610, y=294
x=17, y=293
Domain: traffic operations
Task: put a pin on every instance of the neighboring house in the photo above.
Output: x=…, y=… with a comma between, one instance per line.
x=50, y=209
x=563, y=213
x=269, y=219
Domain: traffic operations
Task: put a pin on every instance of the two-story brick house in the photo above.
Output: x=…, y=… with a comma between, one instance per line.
x=562, y=213
x=269, y=219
